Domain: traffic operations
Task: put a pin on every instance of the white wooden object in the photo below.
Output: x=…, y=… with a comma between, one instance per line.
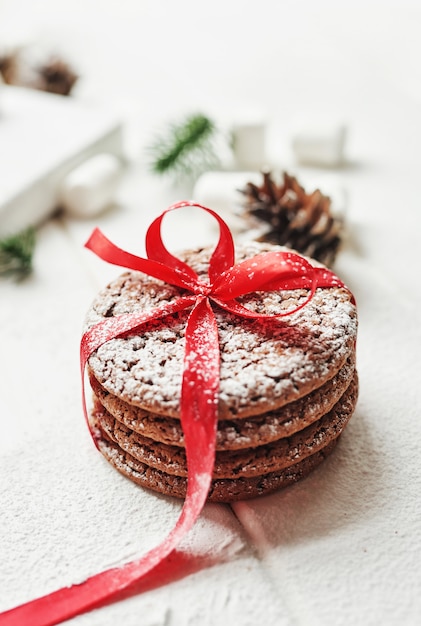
x=43, y=138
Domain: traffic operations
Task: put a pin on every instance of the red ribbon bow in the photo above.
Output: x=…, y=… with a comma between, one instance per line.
x=200, y=383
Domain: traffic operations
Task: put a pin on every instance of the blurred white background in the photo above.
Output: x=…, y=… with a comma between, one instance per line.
x=154, y=60
x=287, y=57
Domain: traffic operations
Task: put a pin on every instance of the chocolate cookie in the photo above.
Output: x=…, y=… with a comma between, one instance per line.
x=239, y=433
x=231, y=464
x=288, y=386
x=222, y=490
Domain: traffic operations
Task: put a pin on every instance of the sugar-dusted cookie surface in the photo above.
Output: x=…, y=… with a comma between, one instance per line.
x=264, y=364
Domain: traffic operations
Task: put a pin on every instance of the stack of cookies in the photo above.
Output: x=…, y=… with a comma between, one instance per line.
x=288, y=386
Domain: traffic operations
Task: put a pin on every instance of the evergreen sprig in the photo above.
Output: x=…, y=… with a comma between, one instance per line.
x=186, y=149
x=16, y=252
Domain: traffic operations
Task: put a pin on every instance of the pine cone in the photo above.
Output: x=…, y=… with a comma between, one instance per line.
x=9, y=68
x=296, y=219
x=57, y=77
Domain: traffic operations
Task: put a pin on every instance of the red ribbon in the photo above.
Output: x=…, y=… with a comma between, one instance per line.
x=200, y=384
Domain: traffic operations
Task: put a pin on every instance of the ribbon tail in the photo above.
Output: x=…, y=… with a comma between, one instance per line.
x=200, y=390
x=199, y=410
x=68, y=602
x=114, y=327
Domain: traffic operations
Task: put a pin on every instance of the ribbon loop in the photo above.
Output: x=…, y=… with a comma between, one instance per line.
x=109, y=252
x=156, y=250
x=222, y=257
x=200, y=387
x=269, y=271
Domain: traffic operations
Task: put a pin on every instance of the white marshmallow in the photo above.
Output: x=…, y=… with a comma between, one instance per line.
x=320, y=143
x=90, y=188
x=249, y=142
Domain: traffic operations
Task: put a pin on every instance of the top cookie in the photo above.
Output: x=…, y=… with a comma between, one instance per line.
x=264, y=364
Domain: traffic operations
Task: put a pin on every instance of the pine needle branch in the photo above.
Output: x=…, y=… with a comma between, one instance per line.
x=187, y=149
x=16, y=254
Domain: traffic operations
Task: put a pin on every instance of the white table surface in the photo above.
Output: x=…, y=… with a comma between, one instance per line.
x=344, y=546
